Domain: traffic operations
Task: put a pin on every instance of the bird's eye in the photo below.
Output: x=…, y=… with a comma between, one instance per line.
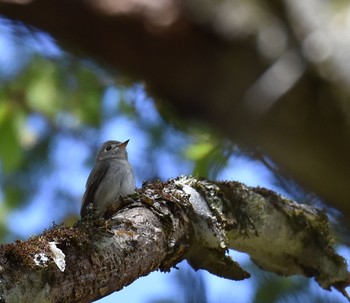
x=108, y=148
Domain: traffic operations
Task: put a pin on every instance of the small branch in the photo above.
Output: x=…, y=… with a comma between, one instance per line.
x=280, y=235
x=164, y=223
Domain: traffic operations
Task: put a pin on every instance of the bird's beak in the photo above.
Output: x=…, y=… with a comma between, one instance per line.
x=124, y=144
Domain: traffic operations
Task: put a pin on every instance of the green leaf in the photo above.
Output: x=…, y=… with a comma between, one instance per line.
x=42, y=93
x=199, y=151
x=11, y=153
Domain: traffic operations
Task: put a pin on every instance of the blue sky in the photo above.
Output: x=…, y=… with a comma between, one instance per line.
x=70, y=172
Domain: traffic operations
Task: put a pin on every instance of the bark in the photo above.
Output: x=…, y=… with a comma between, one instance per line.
x=272, y=75
x=164, y=223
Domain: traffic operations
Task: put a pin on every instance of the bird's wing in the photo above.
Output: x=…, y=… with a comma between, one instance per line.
x=92, y=184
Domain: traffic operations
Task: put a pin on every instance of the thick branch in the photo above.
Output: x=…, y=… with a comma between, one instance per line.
x=164, y=223
x=100, y=257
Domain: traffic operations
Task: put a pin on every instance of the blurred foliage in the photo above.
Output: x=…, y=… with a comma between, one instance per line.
x=49, y=87
x=209, y=155
x=51, y=90
x=11, y=121
x=190, y=287
x=271, y=288
x=274, y=289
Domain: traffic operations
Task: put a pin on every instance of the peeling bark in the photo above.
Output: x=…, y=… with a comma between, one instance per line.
x=164, y=223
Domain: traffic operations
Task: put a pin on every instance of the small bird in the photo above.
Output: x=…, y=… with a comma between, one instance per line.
x=110, y=178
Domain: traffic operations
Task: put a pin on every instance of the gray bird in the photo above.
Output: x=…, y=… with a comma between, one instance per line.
x=111, y=177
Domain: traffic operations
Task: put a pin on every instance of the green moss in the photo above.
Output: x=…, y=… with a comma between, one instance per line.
x=302, y=219
x=21, y=253
x=323, y=233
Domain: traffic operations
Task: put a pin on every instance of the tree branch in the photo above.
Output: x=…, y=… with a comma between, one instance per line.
x=164, y=223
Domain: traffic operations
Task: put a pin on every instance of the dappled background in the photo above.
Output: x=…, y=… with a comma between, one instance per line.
x=57, y=105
